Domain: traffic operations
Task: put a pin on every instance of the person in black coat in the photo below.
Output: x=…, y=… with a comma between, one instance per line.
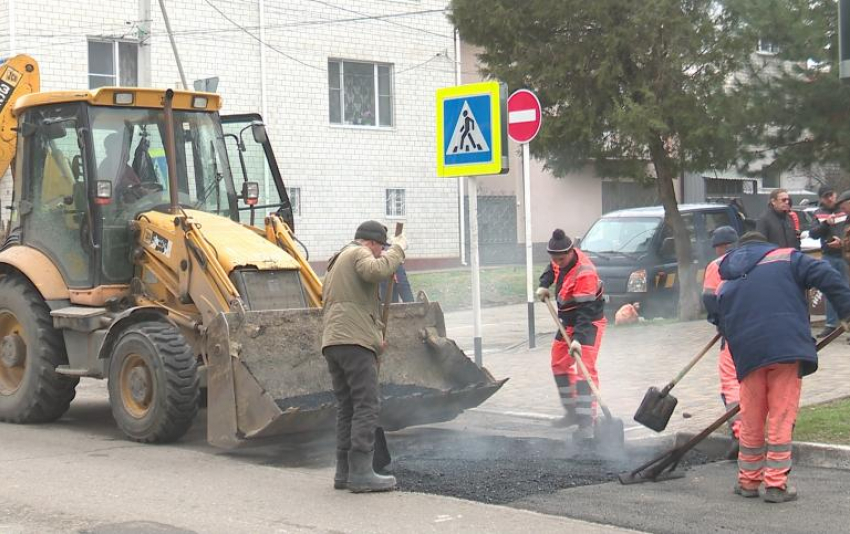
x=775, y=224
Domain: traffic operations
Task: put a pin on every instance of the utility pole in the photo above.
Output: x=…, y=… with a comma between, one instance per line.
x=461, y=179
x=144, y=35
x=173, y=44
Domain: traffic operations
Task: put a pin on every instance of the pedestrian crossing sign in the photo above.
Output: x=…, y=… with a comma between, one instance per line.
x=472, y=130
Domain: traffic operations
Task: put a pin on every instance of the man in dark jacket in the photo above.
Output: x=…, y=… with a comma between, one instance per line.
x=828, y=226
x=763, y=315
x=775, y=224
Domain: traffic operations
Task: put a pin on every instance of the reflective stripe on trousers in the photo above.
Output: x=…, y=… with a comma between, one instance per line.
x=568, y=377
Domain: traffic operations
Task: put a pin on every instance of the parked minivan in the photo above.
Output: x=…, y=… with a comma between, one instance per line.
x=635, y=255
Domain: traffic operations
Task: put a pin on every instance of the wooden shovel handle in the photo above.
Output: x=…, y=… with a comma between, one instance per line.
x=388, y=296
x=690, y=365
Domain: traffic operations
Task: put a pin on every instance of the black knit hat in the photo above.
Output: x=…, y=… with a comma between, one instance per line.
x=373, y=231
x=559, y=243
x=751, y=237
x=825, y=190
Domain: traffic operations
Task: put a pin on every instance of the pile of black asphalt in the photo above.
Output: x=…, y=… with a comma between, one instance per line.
x=501, y=469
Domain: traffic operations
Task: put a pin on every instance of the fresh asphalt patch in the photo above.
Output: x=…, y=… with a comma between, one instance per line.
x=502, y=469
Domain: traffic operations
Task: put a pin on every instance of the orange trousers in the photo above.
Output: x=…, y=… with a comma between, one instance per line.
x=730, y=389
x=572, y=387
x=769, y=396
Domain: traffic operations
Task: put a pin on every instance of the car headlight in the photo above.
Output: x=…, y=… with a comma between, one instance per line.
x=637, y=282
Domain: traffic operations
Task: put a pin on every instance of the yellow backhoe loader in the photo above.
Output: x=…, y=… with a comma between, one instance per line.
x=128, y=260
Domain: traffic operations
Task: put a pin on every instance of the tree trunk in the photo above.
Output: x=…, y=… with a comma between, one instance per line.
x=689, y=305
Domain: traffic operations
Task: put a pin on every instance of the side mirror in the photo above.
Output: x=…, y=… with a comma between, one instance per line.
x=668, y=247
x=251, y=193
x=258, y=130
x=577, y=242
x=54, y=130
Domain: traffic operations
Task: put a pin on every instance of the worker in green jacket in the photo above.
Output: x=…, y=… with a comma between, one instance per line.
x=352, y=339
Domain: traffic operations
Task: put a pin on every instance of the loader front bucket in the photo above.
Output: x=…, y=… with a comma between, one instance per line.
x=266, y=374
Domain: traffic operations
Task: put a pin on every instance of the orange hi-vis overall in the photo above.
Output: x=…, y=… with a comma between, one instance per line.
x=730, y=389
x=580, y=309
x=770, y=394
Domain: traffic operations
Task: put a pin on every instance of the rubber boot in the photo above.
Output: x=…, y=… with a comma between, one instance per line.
x=779, y=495
x=341, y=476
x=583, y=434
x=569, y=419
x=362, y=478
x=746, y=493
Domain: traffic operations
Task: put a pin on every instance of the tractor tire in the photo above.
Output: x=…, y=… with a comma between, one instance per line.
x=153, y=383
x=30, y=350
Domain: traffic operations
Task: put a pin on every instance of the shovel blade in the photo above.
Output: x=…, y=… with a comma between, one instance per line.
x=656, y=409
x=608, y=433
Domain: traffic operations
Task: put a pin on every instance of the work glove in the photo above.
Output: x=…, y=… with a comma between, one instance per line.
x=575, y=348
x=542, y=294
x=401, y=241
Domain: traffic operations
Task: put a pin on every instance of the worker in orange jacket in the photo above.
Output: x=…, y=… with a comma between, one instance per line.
x=578, y=291
x=722, y=239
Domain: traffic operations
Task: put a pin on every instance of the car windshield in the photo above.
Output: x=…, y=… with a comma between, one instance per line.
x=130, y=152
x=631, y=235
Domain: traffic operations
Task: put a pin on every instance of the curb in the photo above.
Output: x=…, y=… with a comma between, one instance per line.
x=823, y=455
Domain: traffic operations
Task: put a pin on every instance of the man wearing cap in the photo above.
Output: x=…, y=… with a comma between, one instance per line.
x=723, y=239
x=352, y=339
x=828, y=226
x=578, y=291
x=772, y=351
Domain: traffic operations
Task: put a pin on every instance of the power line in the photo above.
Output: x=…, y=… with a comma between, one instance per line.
x=294, y=24
x=284, y=54
x=328, y=4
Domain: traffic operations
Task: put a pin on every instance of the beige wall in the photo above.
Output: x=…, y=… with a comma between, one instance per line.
x=572, y=203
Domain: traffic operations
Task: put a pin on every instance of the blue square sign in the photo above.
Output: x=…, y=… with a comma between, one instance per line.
x=471, y=132
x=468, y=136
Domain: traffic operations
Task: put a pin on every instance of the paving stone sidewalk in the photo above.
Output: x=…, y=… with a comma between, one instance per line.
x=632, y=358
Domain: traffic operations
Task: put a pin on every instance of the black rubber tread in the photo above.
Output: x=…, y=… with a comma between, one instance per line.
x=44, y=395
x=176, y=383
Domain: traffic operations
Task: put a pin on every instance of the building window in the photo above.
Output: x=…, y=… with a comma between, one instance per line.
x=113, y=63
x=360, y=94
x=767, y=47
x=395, y=203
x=294, y=199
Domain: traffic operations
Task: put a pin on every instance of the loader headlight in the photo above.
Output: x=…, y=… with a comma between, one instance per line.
x=199, y=102
x=637, y=282
x=123, y=99
x=102, y=192
x=251, y=193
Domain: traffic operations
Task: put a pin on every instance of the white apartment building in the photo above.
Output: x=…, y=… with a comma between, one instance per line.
x=346, y=88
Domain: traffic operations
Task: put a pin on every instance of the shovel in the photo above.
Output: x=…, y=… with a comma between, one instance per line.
x=382, y=460
x=663, y=467
x=609, y=431
x=657, y=406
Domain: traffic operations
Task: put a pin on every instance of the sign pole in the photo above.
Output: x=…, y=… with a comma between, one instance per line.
x=529, y=244
x=472, y=187
x=472, y=137
x=524, y=118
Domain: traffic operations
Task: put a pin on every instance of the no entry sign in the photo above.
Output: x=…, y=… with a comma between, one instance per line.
x=523, y=116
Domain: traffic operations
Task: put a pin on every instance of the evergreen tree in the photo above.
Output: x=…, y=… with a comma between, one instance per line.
x=638, y=87
x=798, y=111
